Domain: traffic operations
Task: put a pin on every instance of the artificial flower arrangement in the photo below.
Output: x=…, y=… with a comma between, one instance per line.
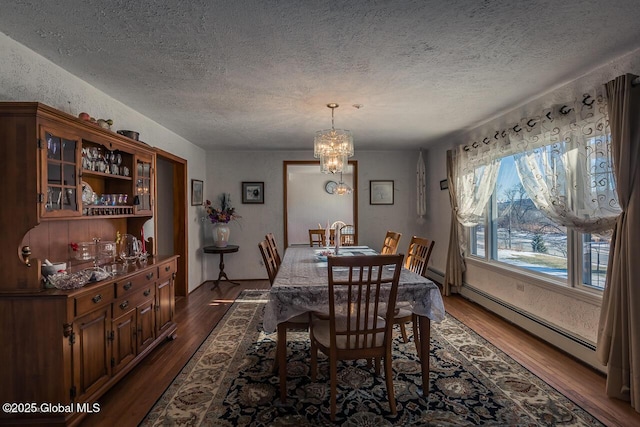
x=225, y=213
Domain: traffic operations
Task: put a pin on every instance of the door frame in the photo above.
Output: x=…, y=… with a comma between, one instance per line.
x=285, y=165
x=180, y=215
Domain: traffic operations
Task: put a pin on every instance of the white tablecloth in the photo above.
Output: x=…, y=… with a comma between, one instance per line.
x=301, y=285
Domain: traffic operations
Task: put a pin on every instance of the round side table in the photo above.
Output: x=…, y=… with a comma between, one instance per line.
x=221, y=251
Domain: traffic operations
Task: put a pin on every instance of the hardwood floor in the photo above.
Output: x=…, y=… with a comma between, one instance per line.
x=130, y=400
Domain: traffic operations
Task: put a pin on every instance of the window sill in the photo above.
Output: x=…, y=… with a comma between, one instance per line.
x=591, y=297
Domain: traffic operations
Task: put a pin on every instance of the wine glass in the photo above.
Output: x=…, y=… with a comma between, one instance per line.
x=129, y=248
x=93, y=157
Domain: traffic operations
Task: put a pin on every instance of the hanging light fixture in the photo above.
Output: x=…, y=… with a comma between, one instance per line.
x=342, y=188
x=333, y=146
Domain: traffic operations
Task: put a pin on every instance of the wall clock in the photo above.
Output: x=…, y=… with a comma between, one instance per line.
x=330, y=187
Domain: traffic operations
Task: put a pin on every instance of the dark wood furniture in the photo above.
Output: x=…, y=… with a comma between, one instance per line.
x=271, y=240
x=300, y=321
x=416, y=260
x=221, y=251
x=366, y=330
x=70, y=346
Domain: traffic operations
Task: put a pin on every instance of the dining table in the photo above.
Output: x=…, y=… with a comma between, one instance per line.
x=302, y=286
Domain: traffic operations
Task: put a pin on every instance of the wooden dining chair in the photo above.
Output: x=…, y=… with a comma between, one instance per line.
x=417, y=258
x=337, y=225
x=360, y=322
x=300, y=321
x=390, y=244
x=317, y=237
x=269, y=260
x=348, y=235
x=274, y=248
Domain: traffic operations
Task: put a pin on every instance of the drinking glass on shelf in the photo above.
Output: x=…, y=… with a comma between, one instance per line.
x=94, y=158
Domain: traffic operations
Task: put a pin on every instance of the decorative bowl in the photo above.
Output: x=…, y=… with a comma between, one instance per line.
x=56, y=267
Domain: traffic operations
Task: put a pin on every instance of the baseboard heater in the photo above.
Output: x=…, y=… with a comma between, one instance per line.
x=565, y=341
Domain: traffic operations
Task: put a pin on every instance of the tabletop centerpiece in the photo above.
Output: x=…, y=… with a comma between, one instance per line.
x=220, y=218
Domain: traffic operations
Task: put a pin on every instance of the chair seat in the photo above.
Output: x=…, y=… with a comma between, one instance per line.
x=300, y=318
x=402, y=312
x=322, y=332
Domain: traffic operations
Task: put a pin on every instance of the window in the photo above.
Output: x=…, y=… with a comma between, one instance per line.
x=540, y=196
x=520, y=235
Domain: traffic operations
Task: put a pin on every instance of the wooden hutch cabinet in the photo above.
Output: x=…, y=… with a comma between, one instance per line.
x=66, y=180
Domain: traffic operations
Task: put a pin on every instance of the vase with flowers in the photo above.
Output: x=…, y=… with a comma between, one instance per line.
x=220, y=218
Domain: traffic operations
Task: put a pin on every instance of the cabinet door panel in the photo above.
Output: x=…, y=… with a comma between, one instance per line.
x=144, y=179
x=146, y=325
x=124, y=340
x=59, y=187
x=92, y=351
x=165, y=301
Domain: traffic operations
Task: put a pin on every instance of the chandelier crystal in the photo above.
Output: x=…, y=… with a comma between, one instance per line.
x=333, y=146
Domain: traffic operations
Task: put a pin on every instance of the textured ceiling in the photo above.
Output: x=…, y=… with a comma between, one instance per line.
x=257, y=74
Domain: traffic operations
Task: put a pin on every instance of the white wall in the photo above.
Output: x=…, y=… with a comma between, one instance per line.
x=27, y=76
x=226, y=170
x=576, y=314
x=309, y=205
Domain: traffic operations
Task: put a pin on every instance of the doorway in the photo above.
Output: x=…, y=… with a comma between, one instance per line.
x=307, y=202
x=171, y=214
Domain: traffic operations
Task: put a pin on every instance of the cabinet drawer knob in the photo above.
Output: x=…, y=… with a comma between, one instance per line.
x=167, y=268
x=150, y=276
x=127, y=286
x=147, y=292
x=124, y=305
x=97, y=298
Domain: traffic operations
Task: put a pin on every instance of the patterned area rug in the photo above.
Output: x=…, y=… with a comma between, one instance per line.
x=229, y=382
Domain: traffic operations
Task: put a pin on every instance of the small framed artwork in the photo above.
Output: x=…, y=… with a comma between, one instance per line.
x=196, y=192
x=253, y=192
x=381, y=192
x=444, y=184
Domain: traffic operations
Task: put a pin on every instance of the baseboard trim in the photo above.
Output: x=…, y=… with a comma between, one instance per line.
x=565, y=341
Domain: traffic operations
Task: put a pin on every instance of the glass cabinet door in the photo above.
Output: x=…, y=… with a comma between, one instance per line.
x=143, y=200
x=59, y=186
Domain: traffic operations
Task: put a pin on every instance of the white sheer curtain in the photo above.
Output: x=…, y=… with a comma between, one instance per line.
x=563, y=158
x=474, y=177
x=565, y=164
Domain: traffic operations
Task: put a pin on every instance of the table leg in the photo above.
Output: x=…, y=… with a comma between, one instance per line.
x=222, y=274
x=425, y=336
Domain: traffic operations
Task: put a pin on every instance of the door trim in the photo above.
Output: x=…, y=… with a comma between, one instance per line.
x=285, y=165
x=180, y=215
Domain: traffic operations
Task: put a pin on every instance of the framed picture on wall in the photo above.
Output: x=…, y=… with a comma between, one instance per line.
x=253, y=192
x=197, y=187
x=381, y=192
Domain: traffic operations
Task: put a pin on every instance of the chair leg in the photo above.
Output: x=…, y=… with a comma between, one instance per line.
x=276, y=360
x=388, y=373
x=333, y=372
x=403, y=330
x=281, y=354
x=314, y=360
x=416, y=333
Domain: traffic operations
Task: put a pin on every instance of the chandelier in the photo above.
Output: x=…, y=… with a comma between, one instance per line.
x=333, y=146
x=342, y=188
